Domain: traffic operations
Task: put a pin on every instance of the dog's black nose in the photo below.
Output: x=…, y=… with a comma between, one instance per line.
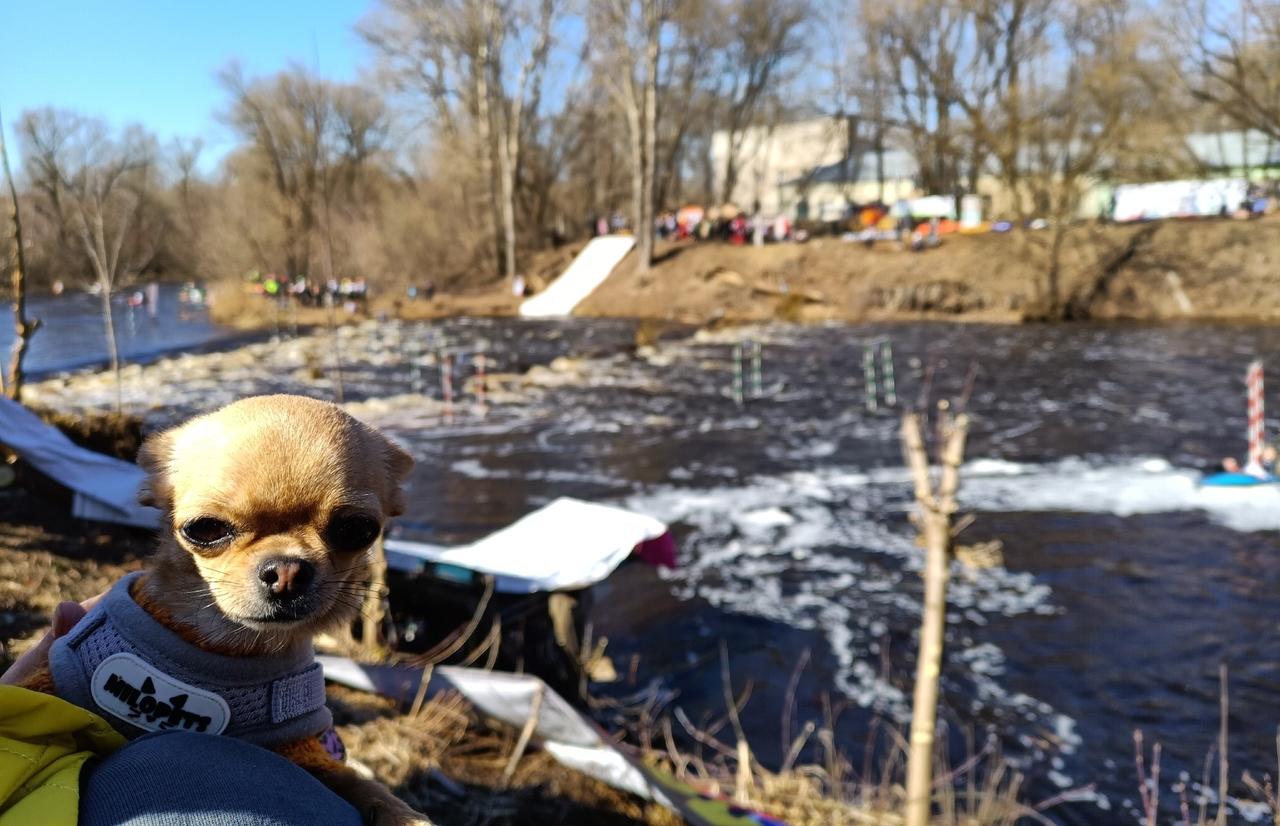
x=286, y=577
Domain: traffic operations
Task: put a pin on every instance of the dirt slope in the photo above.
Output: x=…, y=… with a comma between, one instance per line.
x=1171, y=270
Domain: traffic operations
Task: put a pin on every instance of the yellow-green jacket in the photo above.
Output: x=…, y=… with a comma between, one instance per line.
x=44, y=741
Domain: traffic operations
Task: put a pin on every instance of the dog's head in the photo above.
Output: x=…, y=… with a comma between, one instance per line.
x=273, y=505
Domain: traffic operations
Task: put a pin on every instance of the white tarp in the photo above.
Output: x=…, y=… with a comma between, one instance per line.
x=1179, y=199
x=564, y=733
x=588, y=271
x=566, y=544
x=105, y=488
x=933, y=206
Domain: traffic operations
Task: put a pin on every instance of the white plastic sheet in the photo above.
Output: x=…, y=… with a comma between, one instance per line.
x=567, y=544
x=565, y=734
x=105, y=488
x=1179, y=199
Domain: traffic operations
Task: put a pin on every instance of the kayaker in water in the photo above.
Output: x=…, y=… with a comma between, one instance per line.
x=1264, y=469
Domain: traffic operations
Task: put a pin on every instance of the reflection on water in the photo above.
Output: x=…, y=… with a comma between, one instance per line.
x=1125, y=586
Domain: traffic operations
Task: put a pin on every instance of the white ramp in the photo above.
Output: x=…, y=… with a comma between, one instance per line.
x=588, y=271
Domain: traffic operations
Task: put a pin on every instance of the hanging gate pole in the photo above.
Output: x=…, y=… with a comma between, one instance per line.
x=737, y=374
x=481, y=384
x=869, y=377
x=1257, y=414
x=886, y=370
x=757, y=369
x=446, y=384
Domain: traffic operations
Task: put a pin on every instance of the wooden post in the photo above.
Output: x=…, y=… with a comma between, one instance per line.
x=24, y=327
x=373, y=613
x=935, y=510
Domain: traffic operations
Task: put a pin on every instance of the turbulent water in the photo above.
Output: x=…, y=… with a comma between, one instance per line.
x=1125, y=585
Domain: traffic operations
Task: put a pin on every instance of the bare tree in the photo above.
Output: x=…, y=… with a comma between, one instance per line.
x=766, y=35
x=628, y=37
x=185, y=157
x=106, y=185
x=480, y=65
x=355, y=138
x=853, y=86
x=284, y=120
x=25, y=328
x=310, y=142
x=1045, y=96
x=959, y=71
x=526, y=92
x=919, y=100
x=936, y=505
x=1230, y=51
x=43, y=149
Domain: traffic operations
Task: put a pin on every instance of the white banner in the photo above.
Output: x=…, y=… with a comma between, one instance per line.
x=1179, y=199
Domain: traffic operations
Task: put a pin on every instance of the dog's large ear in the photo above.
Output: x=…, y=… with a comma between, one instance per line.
x=153, y=457
x=398, y=464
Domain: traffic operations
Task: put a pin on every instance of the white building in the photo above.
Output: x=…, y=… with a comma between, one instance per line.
x=804, y=169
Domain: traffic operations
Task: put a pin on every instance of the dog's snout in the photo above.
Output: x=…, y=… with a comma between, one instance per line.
x=286, y=577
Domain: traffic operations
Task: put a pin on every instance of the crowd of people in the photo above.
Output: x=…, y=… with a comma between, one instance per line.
x=349, y=292
x=729, y=224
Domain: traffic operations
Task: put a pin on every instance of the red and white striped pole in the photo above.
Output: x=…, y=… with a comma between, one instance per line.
x=446, y=383
x=1257, y=414
x=482, y=388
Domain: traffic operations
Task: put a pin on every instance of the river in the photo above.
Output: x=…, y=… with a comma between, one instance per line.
x=73, y=333
x=1125, y=586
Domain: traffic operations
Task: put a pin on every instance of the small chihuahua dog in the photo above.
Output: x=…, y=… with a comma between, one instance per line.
x=271, y=506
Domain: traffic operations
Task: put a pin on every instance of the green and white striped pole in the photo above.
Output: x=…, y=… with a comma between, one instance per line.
x=757, y=370
x=869, y=376
x=886, y=368
x=415, y=365
x=737, y=374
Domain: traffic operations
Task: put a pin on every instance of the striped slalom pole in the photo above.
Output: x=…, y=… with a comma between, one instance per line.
x=415, y=366
x=869, y=376
x=886, y=369
x=481, y=385
x=1257, y=413
x=737, y=374
x=757, y=370
x=446, y=383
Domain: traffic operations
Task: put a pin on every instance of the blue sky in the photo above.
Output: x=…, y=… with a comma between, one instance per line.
x=154, y=61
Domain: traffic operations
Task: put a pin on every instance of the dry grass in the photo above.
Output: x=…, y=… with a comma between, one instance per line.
x=818, y=783
x=450, y=763
x=983, y=791
x=115, y=434
x=1207, y=805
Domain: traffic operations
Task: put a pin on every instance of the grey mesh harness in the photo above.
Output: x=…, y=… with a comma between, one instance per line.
x=124, y=665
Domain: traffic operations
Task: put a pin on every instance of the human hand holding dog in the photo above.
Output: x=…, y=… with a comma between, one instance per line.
x=65, y=617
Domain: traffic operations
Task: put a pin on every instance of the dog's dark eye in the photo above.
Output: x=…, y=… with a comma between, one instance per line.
x=352, y=533
x=207, y=531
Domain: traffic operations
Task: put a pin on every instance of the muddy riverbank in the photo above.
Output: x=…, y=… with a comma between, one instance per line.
x=1219, y=270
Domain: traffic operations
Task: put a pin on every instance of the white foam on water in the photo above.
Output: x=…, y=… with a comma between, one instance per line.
x=813, y=550
x=828, y=551
x=1125, y=488
x=474, y=469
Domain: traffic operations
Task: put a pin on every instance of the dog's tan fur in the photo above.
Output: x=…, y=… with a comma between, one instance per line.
x=279, y=469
